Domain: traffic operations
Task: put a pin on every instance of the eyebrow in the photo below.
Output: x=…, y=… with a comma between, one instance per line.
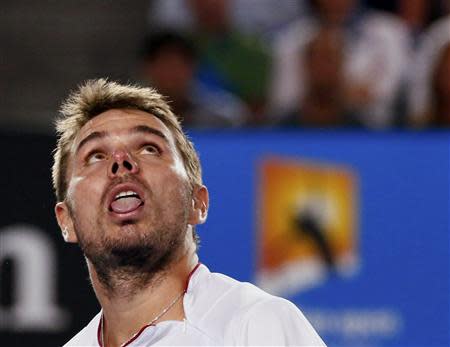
x=137, y=129
x=91, y=137
x=149, y=130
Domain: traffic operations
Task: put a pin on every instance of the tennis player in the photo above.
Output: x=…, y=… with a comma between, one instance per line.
x=129, y=191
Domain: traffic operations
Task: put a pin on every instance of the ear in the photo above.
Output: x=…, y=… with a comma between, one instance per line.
x=200, y=205
x=65, y=222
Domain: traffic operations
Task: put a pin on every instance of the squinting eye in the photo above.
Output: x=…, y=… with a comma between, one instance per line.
x=95, y=157
x=150, y=149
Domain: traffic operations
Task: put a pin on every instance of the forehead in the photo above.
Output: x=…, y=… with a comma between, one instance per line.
x=120, y=121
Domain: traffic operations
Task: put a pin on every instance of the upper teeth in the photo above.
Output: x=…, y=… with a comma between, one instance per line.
x=127, y=193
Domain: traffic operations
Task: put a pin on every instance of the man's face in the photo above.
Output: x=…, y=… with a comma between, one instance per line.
x=128, y=199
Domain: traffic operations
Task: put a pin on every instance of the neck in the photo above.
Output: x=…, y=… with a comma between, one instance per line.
x=125, y=315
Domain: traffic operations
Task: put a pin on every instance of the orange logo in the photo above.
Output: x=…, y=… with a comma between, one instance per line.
x=307, y=224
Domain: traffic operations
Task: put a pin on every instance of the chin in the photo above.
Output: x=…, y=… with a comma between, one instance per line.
x=125, y=230
x=136, y=256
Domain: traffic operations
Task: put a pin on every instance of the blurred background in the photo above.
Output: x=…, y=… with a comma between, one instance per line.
x=322, y=126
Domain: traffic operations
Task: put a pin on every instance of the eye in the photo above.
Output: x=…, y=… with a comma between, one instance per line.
x=95, y=157
x=150, y=149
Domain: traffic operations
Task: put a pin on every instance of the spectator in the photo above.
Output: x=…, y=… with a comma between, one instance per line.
x=229, y=59
x=324, y=103
x=376, y=50
x=169, y=63
x=429, y=93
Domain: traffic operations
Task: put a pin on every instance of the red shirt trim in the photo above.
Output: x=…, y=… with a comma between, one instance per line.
x=99, y=331
x=190, y=275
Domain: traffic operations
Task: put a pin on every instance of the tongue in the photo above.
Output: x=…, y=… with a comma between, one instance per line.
x=125, y=205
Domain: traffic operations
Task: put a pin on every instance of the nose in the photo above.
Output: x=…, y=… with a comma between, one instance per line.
x=122, y=163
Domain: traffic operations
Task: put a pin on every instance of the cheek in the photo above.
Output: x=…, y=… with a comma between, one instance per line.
x=159, y=173
x=81, y=192
x=179, y=170
x=171, y=190
x=72, y=190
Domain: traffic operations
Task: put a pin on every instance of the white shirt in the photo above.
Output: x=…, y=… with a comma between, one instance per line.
x=221, y=311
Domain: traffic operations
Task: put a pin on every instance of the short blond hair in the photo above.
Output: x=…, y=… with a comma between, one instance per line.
x=97, y=96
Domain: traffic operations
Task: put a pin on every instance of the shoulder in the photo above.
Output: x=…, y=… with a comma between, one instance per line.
x=87, y=336
x=207, y=290
x=275, y=321
x=239, y=313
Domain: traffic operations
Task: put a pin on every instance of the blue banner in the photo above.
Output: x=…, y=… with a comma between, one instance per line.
x=390, y=282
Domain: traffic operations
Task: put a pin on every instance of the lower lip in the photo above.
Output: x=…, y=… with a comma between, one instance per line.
x=128, y=215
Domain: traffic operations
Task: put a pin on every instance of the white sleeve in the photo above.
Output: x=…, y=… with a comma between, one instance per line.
x=275, y=322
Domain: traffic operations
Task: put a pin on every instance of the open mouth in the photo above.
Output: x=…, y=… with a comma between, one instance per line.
x=125, y=202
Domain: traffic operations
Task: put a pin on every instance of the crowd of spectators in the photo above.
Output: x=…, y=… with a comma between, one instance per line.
x=301, y=63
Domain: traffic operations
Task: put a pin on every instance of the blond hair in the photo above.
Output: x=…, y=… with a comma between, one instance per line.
x=100, y=95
